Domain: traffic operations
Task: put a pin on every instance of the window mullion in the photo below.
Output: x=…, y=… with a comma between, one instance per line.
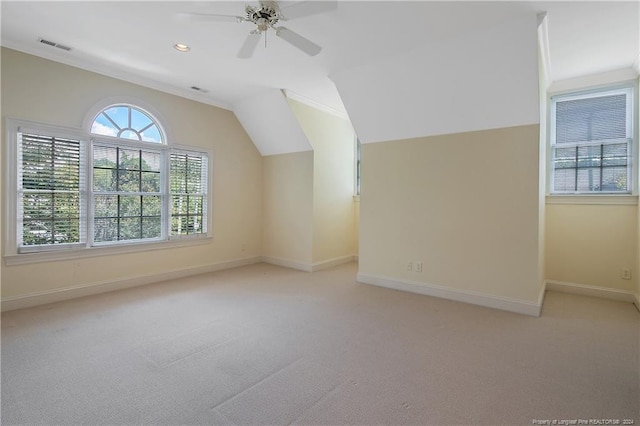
x=575, y=185
x=140, y=231
x=601, y=164
x=52, y=189
x=165, y=221
x=111, y=120
x=186, y=190
x=89, y=203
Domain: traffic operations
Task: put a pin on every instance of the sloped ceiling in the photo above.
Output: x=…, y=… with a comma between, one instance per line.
x=483, y=80
x=271, y=125
x=133, y=41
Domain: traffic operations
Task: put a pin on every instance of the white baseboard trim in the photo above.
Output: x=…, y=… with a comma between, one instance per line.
x=543, y=291
x=288, y=263
x=305, y=266
x=72, y=292
x=591, y=290
x=330, y=263
x=466, y=296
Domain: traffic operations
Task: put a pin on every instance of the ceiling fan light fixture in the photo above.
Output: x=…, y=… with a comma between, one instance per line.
x=266, y=16
x=181, y=47
x=262, y=24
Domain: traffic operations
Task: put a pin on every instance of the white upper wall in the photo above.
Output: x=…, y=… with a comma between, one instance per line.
x=484, y=80
x=271, y=125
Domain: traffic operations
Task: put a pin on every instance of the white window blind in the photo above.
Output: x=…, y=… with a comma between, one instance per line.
x=188, y=186
x=592, y=140
x=50, y=191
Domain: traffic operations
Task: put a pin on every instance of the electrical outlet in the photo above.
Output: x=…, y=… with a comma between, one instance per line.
x=418, y=266
x=410, y=266
x=625, y=274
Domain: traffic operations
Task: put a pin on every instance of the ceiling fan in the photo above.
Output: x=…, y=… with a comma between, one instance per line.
x=267, y=16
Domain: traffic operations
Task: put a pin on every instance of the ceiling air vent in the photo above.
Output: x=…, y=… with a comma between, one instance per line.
x=54, y=44
x=199, y=89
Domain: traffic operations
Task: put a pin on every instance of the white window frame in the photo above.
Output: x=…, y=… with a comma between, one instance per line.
x=12, y=223
x=131, y=107
x=357, y=175
x=207, y=214
x=150, y=146
x=631, y=90
x=31, y=254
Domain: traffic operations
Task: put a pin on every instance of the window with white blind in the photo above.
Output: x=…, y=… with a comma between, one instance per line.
x=50, y=190
x=188, y=183
x=591, y=141
x=119, y=184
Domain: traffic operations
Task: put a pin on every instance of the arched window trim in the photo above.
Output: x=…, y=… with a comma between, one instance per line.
x=138, y=131
x=115, y=101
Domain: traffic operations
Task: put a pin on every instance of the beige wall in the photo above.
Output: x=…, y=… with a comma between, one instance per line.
x=356, y=225
x=288, y=208
x=543, y=83
x=637, y=268
x=591, y=244
x=466, y=205
x=332, y=139
x=44, y=91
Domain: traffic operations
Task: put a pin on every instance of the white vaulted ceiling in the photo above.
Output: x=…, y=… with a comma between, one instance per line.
x=271, y=125
x=474, y=81
x=134, y=41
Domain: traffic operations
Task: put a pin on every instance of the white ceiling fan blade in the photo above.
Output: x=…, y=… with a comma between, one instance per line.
x=304, y=44
x=249, y=45
x=306, y=8
x=210, y=17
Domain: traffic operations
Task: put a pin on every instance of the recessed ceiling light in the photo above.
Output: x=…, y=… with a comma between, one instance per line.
x=181, y=47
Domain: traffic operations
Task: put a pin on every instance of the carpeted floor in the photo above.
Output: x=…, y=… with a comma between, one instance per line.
x=267, y=345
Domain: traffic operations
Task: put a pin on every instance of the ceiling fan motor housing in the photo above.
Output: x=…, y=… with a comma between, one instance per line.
x=264, y=17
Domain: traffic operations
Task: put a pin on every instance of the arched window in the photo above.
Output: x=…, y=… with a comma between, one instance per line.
x=127, y=122
x=116, y=181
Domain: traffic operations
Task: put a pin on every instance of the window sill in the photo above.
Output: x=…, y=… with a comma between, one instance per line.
x=50, y=256
x=594, y=199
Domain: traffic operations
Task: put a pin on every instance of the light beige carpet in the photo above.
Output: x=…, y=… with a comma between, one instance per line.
x=267, y=345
